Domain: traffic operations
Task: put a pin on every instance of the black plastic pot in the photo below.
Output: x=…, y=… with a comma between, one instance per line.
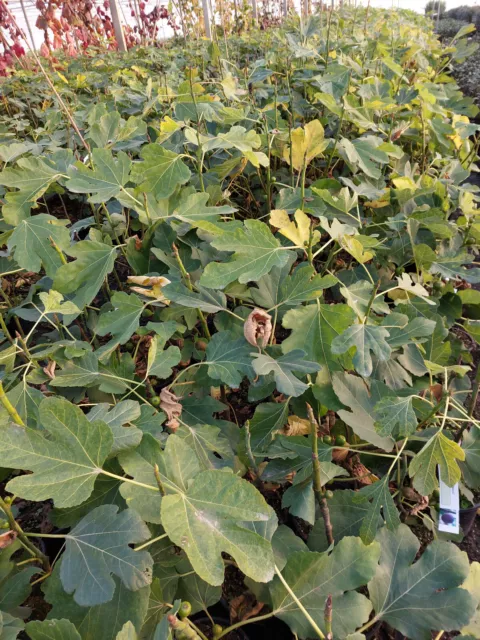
x=467, y=518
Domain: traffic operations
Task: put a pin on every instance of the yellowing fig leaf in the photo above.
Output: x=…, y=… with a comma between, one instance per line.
x=307, y=143
x=406, y=283
x=335, y=228
x=127, y=632
x=440, y=451
x=279, y=218
x=151, y=286
x=53, y=302
x=404, y=183
x=299, y=231
x=356, y=249
x=468, y=204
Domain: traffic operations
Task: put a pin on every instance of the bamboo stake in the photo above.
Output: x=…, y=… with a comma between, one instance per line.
x=117, y=25
x=27, y=22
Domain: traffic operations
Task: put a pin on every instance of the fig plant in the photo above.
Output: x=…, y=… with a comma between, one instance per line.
x=238, y=335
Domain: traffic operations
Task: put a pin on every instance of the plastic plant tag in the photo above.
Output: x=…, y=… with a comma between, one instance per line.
x=449, y=506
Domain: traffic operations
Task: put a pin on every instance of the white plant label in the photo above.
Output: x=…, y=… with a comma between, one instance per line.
x=449, y=508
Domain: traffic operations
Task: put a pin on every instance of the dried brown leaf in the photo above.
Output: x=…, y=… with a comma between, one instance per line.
x=339, y=455
x=153, y=286
x=216, y=393
x=172, y=407
x=361, y=473
x=258, y=328
x=7, y=538
x=296, y=426
x=244, y=607
x=50, y=369
x=435, y=390
x=420, y=506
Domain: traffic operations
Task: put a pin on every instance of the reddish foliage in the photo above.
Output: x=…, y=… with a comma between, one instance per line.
x=75, y=25
x=10, y=40
x=148, y=22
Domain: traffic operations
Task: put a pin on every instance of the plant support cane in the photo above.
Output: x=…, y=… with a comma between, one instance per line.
x=317, y=481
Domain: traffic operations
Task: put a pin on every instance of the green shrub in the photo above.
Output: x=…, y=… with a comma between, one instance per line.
x=448, y=27
x=465, y=13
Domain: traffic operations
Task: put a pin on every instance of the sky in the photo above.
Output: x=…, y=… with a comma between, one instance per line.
x=415, y=5
x=419, y=5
